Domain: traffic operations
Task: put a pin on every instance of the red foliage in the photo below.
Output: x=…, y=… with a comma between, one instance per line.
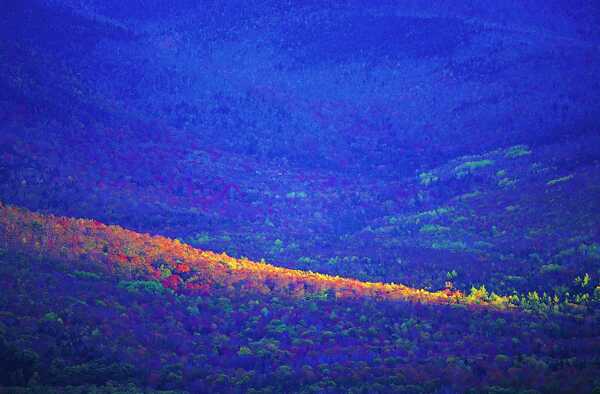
x=172, y=282
x=155, y=274
x=115, y=249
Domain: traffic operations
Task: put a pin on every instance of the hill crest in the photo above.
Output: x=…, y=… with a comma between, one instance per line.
x=179, y=266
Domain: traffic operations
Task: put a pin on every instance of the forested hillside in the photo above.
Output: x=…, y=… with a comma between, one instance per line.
x=300, y=196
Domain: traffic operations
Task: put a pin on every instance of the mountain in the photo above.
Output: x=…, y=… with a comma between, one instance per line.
x=85, y=304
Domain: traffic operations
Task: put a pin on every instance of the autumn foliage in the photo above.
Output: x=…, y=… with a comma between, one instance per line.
x=179, y=266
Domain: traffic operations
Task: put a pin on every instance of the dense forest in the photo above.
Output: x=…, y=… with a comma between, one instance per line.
x=85, y=304
x=313, y=197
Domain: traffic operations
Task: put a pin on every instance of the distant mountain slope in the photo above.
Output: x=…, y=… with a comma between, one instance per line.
x=369, y=86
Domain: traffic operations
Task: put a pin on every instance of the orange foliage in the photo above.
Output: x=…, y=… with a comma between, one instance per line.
x=121, y=251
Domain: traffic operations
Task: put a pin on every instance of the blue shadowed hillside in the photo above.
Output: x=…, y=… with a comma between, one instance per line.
x=452, y=147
